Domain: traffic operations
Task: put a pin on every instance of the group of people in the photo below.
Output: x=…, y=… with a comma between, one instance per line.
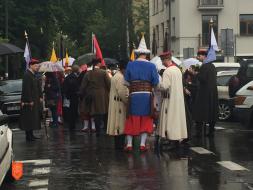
x=137, y=101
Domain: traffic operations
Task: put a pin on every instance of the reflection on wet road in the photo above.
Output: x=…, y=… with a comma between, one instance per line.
x=77, y=161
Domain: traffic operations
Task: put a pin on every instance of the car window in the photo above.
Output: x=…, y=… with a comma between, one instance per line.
x=227, y=69
x=7, y=87
x=249, y=72
x=223, y=80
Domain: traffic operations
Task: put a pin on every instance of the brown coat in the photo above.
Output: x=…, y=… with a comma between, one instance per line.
x=94, y=91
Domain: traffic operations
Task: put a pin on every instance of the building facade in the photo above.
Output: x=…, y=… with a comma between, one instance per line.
x=184, y=25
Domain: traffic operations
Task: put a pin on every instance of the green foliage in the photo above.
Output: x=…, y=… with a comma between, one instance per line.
x=45, y=20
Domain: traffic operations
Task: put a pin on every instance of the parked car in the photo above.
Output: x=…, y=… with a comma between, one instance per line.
x=243, y=101
x=6, y=151
x=10, y=97
x=225, y=102
x=226, y=66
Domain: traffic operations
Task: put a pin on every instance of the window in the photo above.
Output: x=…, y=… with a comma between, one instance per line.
x=162, y=5
x=209, y=2
x=223, y=80
x=157, y=6
x=174, y=26
x=249, y=72
x=157, y=36
x=246, y=24
x=206, y=27
x=162, y=31
x=154, y=7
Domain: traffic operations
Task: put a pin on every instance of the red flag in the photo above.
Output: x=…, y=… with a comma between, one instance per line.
x=97, y=50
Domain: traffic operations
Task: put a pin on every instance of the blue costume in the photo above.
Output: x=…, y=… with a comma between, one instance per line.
x=139, y=120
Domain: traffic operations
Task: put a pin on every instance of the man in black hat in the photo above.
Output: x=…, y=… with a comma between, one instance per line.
x=31, y=99
x=205, y=109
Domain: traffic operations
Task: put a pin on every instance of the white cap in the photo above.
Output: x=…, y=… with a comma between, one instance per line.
x=142, y=47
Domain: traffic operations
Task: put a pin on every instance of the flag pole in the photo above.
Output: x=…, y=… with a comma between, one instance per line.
x=92, y=43
x=28, y=44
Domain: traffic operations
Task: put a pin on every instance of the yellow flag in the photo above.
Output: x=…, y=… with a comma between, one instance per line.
x=66, y=60
x=53, y=56
x=132, y=56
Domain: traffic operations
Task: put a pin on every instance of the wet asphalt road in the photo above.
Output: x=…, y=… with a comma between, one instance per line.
x=78, y=161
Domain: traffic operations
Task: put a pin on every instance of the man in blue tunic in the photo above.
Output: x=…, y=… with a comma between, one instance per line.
x=141, y=76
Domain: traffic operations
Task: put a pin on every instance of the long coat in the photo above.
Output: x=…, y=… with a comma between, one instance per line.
x=172, y=124
x=117, y=105
x=30, y=116
x=205, y=107
x=95, y=90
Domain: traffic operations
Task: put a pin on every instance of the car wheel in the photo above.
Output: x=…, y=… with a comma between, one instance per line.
x=225, y=111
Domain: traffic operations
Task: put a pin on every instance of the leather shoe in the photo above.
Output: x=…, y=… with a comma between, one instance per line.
x=85, y=130
x=128, y=148
x=143, y=148
x=34, y=137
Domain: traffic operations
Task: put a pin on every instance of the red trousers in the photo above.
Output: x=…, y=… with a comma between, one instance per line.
x=135, y=125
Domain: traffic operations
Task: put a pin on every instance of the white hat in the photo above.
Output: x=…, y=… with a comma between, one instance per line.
x=142, y=47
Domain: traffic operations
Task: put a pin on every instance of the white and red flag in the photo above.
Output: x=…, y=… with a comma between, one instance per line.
x=96, y=49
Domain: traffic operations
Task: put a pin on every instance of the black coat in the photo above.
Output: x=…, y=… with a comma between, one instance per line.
x=52, y=88
x=205, y=107
x=71, y=86
x=30, y=116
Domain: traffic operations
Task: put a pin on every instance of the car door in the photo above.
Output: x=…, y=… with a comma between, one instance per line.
x=4, y=144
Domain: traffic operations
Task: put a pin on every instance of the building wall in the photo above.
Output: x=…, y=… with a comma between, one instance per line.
x=188, y=24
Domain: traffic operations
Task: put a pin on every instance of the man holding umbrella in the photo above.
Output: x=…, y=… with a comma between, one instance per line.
x=31, y=99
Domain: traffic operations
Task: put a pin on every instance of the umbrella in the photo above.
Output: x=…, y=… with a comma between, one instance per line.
x=176, y=60
x=85, y=59
x=110, y=61
x=71, y=61
x=7, y=48
x=158, y=63
x=48, y=66
x=191, y=61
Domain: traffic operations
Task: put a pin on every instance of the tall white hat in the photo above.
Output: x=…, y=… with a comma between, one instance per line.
x=142, y=47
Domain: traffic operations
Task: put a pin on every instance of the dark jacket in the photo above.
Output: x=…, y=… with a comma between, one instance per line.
x=30, y=116
x=52, y=88
x=205, y=107
x=71, y=86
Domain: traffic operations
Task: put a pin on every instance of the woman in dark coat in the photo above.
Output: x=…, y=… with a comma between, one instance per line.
x=31, y=99
x=205, y=109
x=52, y=95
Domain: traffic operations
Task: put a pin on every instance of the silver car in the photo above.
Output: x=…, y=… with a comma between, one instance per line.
x=6, y=152
x=225, y=103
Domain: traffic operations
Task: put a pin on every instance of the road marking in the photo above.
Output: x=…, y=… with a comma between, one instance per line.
x=201, y=150
x=36, y=183
x=232, y=166
x=248, y=186
x=219, y=128
x=41, y=171
x=15, y=129
x=37, y=162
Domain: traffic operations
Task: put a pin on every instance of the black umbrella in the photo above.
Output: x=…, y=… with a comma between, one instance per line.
x=7, y=49
x=85, y=59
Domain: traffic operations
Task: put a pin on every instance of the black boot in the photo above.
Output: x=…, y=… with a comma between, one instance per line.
x=29, y=136
x=199, y=128
x=211, y=129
